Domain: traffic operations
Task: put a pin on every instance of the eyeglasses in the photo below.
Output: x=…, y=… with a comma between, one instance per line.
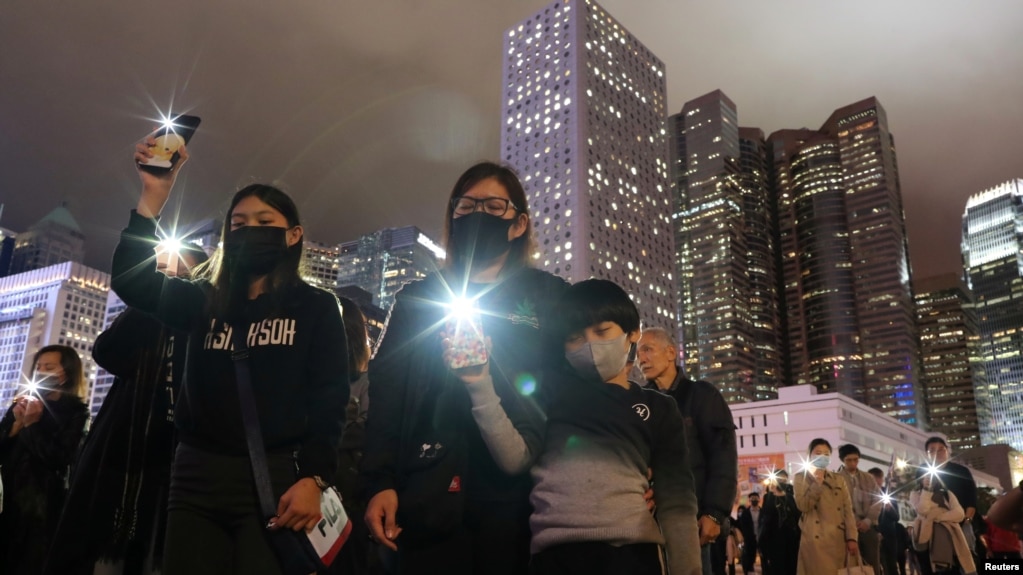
x=463, y=206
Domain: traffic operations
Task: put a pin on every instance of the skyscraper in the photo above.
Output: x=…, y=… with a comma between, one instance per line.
x=948, y=342
x=849, y=317
x=822, y=337
x=583, y=108
x=991, y=246
x=385, y=260
x=55, y=239
x=321, y=264
x=61, y=304
x=880, y=258
x=724, y=245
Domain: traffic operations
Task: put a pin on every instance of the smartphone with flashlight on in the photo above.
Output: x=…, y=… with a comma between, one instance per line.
x=467, y=346
x=174, y=133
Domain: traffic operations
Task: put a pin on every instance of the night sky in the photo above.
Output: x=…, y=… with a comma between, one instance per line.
x=367, y=111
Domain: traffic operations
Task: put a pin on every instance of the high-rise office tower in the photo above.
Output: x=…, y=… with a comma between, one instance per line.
x=385, y=260
x=61, y=304
x=820, y=327
x=849, y=317
x=880, y=258
x=583, y=108
x=991, y=246
x=55, y=239
x=948, y=338
x=321, y=264
x=724, y=245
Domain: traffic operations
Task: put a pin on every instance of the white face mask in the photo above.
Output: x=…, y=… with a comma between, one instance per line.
x=603, y=359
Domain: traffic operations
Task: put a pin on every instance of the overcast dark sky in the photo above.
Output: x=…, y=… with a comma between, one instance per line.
x=367, y=111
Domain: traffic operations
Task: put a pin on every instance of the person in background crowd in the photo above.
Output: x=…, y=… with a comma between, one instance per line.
x=779, y=538
x=957, y=479
x=866, y=500
x=295, y=346
x=733, y=548
x=603, y=435
x=1002, y=545
x=1006, y=512
x=437, y=493
x=358, y=556
x=710, y=433
x=120, y=486
x=938, y=527
x=893, y=545
x=828, y=525
x=751, y=523
x=39, y=438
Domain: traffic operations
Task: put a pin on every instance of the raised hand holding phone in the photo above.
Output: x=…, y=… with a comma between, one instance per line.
x=466, y=348
x=158, y=180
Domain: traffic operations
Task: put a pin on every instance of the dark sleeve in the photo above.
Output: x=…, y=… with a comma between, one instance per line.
x=56, y=452
x=117, y=349
x=5, y=431
x=327, y=395
x=717, y=438
x=388, y=376
x=675, y=491
x=968, y=488
x=175, y=302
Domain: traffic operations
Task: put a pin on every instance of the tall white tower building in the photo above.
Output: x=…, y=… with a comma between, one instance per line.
x=584, y=108
x=62, y=304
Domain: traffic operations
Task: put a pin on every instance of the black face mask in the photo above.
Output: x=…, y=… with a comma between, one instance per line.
x=480, y=237
x=255, y=250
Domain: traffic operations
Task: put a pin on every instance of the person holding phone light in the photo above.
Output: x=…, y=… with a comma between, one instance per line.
x=829, y=538
x=453, y=423
x=296, y=348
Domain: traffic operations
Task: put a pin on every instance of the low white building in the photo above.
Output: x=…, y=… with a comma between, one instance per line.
x=776, y=434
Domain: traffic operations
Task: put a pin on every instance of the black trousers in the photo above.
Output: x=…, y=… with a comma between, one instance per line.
x=214, y=525
x=492, y=540
x=599, y=559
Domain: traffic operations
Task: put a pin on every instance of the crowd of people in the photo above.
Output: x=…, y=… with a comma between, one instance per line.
x=548, y=433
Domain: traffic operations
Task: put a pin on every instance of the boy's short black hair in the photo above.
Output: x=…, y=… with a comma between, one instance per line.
x=590, y=302
x=847, y=450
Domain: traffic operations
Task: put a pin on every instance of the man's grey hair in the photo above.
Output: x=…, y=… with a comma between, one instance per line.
x=662, y=334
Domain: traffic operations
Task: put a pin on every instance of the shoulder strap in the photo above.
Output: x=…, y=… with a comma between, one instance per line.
x=250, y=417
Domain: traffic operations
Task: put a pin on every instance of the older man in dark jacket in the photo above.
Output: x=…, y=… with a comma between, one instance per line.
x=710, y=433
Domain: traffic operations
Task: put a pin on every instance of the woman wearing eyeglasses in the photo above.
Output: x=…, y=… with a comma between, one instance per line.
x=449, y=446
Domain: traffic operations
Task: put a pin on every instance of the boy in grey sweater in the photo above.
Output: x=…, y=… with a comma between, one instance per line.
x=604, y=435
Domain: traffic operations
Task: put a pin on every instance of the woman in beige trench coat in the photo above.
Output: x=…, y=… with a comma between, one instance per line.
x=828, y=524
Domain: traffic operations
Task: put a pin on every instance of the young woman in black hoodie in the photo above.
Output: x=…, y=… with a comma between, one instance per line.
x=437, y=491
x=296, y=342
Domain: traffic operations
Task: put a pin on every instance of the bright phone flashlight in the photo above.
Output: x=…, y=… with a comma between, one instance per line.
x=171, y=245
x=462, y=308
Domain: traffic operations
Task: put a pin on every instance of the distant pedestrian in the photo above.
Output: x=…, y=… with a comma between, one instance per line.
x=828, y=525
x=779, y=538
x=39, y=438
x=751, y=524
x=866, y=500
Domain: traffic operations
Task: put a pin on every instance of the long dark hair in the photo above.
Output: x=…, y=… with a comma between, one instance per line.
x=231, y=290
x=522, y=247
x=71, y=363
x=357, y=336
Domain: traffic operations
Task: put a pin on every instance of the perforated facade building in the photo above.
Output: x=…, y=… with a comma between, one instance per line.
x=583, y=108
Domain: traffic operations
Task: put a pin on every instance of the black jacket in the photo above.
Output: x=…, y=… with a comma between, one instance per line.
x=34, y=466
x=121, y=479
x=710, y=434
x=298, y=359
x=420, y=432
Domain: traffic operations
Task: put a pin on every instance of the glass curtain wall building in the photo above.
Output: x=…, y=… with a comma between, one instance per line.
x=992, y=249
